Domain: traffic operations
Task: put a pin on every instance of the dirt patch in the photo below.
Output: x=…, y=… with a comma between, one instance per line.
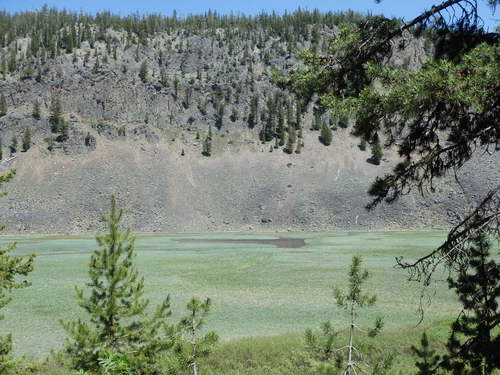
x=282, y=243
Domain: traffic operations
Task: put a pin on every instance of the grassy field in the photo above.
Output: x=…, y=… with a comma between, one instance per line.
x=286, y=354
x=257, y=289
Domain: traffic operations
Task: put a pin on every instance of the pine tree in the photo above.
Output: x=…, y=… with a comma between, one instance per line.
x=4, y=67
x=298, y=116
x=68, y=44
x=292, y=138
x=3, y=105
x=475, y=338
x=234, y=115
x=12, y=267
x=163, y=78
x=97, y=66
x=195, y=346
x=280, y=130
x=252, y=116
x=352, y=300
x=13, y=145
x=428, y=360
x=326, y=134
x=377, y=153
x=55, y=117
x=207, y=146
x=290, y=120
x=12, y=60
x=116, y=306
x=176, y=86
x=269, y=130
x=36, y=110
x=143, y=72
x=64, y=131
x=137, y=54
x=187, y=97
x=26, y=140
x=219, y=118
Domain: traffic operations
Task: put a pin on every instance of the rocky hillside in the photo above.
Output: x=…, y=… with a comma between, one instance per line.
x=181, y=121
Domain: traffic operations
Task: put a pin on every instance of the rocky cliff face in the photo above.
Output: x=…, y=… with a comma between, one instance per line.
x=138, y=116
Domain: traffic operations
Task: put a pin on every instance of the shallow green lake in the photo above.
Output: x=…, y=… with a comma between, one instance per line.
x=257, y=287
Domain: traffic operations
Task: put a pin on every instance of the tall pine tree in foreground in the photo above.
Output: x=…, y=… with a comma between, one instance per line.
x=11, y=267
x=474, y=344
x=195, y=346
x=347, y=360
x=352, y=300
x=118, y=322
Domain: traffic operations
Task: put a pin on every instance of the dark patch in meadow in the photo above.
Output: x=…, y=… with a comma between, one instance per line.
x=282, y=243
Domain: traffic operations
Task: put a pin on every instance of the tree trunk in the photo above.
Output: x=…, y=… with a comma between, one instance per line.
x=351, y=334
x=193, y=343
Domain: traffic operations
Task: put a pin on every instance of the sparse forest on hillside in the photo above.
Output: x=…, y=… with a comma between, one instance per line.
x=182, y=73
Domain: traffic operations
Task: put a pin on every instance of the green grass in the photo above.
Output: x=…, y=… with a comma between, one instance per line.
x=286, y=354
x=257, y=290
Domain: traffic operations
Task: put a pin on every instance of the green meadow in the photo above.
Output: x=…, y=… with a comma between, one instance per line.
x=258, y=289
